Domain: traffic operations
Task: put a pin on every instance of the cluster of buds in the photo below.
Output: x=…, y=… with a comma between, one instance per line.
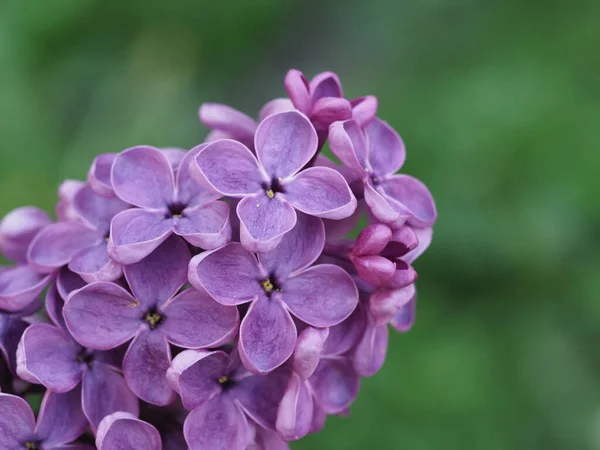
x=213, y=298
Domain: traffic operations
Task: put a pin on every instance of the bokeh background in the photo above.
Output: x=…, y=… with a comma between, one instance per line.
x=499, y=105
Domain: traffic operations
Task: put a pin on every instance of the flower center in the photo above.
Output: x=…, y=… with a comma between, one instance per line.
x=31, y=445
x=375, y=180
x=273, y=188
x=175, y=210
x=225, y=382
x=270, y=285
x=85, y=357
x=153, y=318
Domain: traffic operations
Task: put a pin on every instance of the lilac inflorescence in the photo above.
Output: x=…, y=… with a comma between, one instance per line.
x=213, y=298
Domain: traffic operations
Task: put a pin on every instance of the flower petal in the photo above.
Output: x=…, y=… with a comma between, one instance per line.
x=404, y=318
x=345, y=335
x=298, y=90
x=11, y=330
x=230, y=274
x=424, y=236
x=284, y=143
x=321, y=296
x=404, y=276
x=66, y=193
x=143, y=177
x=206, y=226
x=372, y=240
x=294, y=417
x=335, y=385
x=160, y=275
x=102, y=315
x=325, y=84
x=16, y=421
x=135, y=233
x=267, y=335
x=20, y=286
x=123, y=431
x=195, y=320
x=105, y=392
x=225, y=118
x=216, y=425
x=321, y=192
x=60, y=419
x=299, y=248
x=67, y=282
x=93, y=264
x=99, y=174
x=229, y=168
x=384, y=303
x=95, y=210
x=189, y=191
x=413, y=195
x=348, y=143
x=174, y=155
x=364, y=109
x=309, y=348
x=264, y=221
x=145, y=367
x=328, y=110
x=266, y=440
x=383, y=208
x=17, y=230
x=54, y=305
x=48, y=356
x=275, y=106
x=370, y=352
x=386, y=148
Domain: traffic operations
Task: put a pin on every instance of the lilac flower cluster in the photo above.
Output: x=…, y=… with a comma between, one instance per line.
x=212, y=298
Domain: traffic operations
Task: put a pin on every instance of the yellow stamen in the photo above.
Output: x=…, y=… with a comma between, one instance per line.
x=267, y=285
x=270, y=193
x=223, y=379
x=153, y=319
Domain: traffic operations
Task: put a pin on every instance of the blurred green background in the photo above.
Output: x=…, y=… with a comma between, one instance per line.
x=499, y=105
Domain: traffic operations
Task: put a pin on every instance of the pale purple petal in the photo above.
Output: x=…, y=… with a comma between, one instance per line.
x=20, y=286
x=145, y=367
x=319, y=418
x=48, y=356
x=135, y=233
x=195, y=320
x=266, y=440
x=95, y=210
x=335, y=385
x=216, y=135
x=308, y=352
x=384, y=303
x=17, y=230
x=93, y=264
x=404, y=318
x=189, y=191
x=275, y=106
x=321, y=192
x=264, y=221
x=370, y=352
x=229, y=168
x=298, y=90
x=413, y=195
x=160, y=275
x=58, y=243
x=284, y=143
x=205, y=226
x=345, y=335
x=348, y=143
x=364, y=109
x=11, y=330
x=299, y=248
x=60, y=419
x=383, y=208
x=424, y=236
x=16, y=421
x=231, y=274
x=372, y=240
x=123, y=431
x=267, y=335
x=66, y=193
x=104, y=392
x=99, y=174
x=386, y=149
x=54, y=305
x=321, y=296
x=328, y=110
x=67, y=282
x=174, y=155
x=216, y=425
x=294, y=418
x=402, y=277
x=325, y=84
x=375, y=270
x=228, y=119
x=142, y=176
x=102, y=315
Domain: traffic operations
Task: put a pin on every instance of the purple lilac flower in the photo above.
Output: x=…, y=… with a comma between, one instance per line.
x=103, y=316
x=168, y=420
x=60, y=422
x=222, y=395
x=124, y=431
x=273, y=187
x=374, y=154
x=66, y=193
x=12, y=326
x=20, y=285
x=81, y=244
x=277, y=284
x=165, y=202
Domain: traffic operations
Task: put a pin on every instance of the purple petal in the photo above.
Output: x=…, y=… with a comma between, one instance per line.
x=384, y=209
x=17, y=230
x=275, y=106
x=404, y=318
x=189, y=192
x=298, y=249
x=16, y=421
x=370, y=352
x=266, y=440
x=294, y=417
x=66, y=193
x=325, y=84
x=372, y=240
x=104, y=392
x=364, y=109
x=230, y=274
x=228, y=119
x=58, y=243
x=135, y=233
x=264, y=221
x=298, y=90
x=11, y=330
x=335, y=385
x=284, y=143
x=99, y=174
x=321, y=296
x=321, y=192
x=145, y=367
x=402, y=277
x=385, y=303
x=375, y=270
x=414, y=195
x=345, y=335
x=67, y=282
x=95, y=210
x=424, y=236
x=19, y=287
x=229, y=168
x=93, y=264
x=386, y=149
x=328, y=110
x=174, y=155
x=48, y=356
x=123, y=431
x=160, y=275
x=54, y=305
x=102, y=315
x=216, y=425
x=142, y=176
x=195, y=320
x=348, y=143
x=267, y=335
x=194, y=374
x=206, y=226
x=60, y=419
x=309, y=348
